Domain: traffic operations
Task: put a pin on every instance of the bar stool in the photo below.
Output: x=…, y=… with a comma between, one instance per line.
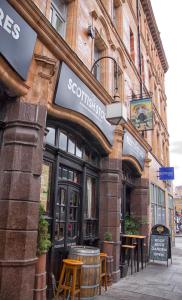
x=70, y=278
x=103, y=271
x=131, y=249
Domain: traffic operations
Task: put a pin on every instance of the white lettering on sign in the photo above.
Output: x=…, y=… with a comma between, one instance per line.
x=9, y=25
x=86, y=101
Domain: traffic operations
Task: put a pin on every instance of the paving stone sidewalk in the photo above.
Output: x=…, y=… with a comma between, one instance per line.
x=156, y=282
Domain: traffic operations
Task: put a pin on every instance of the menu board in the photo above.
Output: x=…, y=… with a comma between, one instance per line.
x=159, y=246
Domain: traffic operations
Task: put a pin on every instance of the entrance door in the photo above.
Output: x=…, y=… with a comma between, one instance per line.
x=67, y=215
x=67, y=222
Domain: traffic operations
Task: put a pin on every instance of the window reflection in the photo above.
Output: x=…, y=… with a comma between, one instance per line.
x=71, y=145
x=50, y=137
x=90, y=203
x=63, y=141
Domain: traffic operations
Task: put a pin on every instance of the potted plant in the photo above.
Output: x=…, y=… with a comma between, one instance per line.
x=43, y=245
x=130, y=225
x=108, y=243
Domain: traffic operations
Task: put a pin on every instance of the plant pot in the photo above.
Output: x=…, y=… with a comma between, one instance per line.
x=40, y=278
x=108, y=247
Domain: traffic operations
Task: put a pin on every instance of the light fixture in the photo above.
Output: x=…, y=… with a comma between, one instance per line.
x=116, y=113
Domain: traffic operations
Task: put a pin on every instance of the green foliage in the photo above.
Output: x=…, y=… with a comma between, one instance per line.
x=131, y=225
x=107, y=236
x=43, y=240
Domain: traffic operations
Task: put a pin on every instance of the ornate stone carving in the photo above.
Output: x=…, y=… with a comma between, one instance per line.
x=48, y=66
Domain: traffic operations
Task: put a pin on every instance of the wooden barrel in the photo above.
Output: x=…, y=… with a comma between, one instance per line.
x=90, y=277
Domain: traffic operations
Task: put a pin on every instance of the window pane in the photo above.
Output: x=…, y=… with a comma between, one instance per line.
x=64, y=174
x=50, y=137
x=58, y=23
x=59, y=232
x=63, y=141
x=86, y=154
x=70, y=175
x=79, y=150
x=71, y=145
x=51, y=15
x=90, y=204
x=76, y=177
x=45, y=185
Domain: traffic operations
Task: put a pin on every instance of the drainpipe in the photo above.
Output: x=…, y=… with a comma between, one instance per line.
x=139, y=47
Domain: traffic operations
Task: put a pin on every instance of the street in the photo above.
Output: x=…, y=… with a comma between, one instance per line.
x=156, y=282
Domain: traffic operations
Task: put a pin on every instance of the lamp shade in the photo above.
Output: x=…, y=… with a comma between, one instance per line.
x=116, y=113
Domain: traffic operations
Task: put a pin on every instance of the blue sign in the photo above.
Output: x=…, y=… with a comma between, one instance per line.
x=166, y=173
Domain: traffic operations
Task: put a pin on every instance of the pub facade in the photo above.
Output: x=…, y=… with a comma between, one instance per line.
x=56, y=145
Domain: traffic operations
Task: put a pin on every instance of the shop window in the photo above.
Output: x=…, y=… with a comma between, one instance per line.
x=58, y=13
x=157, y=205
x=60, y=215
x=79, y=150
x=63, y=141
x=90, y=205
x=71, y=145
x=69, y=174
x=50, y=137
x=90, y=209
x=45, y=185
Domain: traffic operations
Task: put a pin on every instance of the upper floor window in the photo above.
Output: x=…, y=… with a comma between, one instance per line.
x=58, y=13
x=132, y=45
x=97, y=68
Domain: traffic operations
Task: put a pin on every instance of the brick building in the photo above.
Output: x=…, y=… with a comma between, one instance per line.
x=56, y=145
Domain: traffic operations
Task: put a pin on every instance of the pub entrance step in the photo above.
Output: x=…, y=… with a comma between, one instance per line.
x=155, y=282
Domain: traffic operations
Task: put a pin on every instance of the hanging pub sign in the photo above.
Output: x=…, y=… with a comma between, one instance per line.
x=141, y=113
x=133, y=148
x=166, y=173
x=17, y=39
x=73, y=94
x=160, y=243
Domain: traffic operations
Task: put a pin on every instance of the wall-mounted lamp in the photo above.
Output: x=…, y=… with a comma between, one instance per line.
x=116, y=112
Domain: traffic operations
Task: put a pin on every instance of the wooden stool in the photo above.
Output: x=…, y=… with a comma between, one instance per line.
x=130, y=248
x=103, y=272
x=70, y=278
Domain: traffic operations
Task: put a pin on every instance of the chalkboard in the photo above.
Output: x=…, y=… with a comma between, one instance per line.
x=160, y=243
x=159, y=246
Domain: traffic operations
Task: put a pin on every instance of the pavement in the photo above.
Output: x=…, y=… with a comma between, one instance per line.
x=155, y=282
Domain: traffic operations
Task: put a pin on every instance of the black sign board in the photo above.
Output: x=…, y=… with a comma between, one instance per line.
x=17, y=39
x=159, y=247
x=73, y=94
x=160, y=243
x=133, y=148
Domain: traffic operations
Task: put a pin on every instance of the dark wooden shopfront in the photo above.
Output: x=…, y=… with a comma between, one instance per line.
x=70, y=190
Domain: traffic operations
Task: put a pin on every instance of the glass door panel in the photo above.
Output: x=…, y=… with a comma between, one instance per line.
x=73, y=215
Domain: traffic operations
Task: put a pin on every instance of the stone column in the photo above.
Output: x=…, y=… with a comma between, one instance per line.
x=140, y=205
x=20, y=170
x=110, y=199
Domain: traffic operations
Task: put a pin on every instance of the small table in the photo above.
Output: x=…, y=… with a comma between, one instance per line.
x=140, y=240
